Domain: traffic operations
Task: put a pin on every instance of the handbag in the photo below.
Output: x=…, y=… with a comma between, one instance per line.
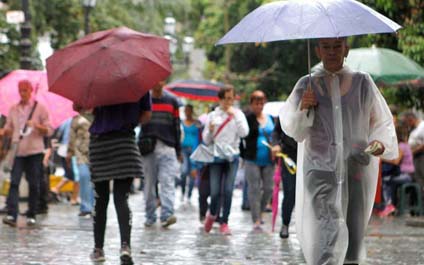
x=147, y=145
x=206, y=153
x=11, y=154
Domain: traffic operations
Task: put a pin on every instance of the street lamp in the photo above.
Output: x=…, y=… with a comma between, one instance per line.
x=88, y=5
x=25, y=43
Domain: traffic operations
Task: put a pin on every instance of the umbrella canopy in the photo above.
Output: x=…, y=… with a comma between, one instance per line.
x=308, y=19
x=202, y=90
x=384, y=65
x=59, y=108
x=109, y=67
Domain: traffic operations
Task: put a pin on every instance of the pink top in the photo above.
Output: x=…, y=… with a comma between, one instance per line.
x=32, y=141
x=407, y=163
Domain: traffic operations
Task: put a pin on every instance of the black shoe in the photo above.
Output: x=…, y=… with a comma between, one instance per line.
x=125, y=255
x=245, y=208
x=284, y=232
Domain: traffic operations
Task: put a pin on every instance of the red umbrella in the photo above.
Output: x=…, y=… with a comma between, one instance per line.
x=59, y=108
x=109, y=67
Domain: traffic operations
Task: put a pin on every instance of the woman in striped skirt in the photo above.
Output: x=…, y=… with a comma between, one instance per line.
x=114, y=155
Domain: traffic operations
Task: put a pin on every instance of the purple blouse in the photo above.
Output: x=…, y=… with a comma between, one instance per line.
x=407, y=163
x=119, y=117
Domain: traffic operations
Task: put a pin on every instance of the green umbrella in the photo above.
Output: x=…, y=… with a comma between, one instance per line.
x=384, y=65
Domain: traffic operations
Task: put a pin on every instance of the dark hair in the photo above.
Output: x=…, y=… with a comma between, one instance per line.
x=257, y=95
x=402, y=132
x=226, y=88
x=409, y=114
x=189, y=106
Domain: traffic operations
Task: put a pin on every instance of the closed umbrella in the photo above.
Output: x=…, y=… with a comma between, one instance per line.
x=109, y=67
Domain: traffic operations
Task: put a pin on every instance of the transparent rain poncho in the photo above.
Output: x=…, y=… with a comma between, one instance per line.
x=336, y=179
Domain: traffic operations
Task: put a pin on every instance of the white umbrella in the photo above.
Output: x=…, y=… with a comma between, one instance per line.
x=308, y=19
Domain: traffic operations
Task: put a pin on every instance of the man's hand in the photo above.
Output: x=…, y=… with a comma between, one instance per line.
x=375, y=148
x=309, y=100
x=274, y=150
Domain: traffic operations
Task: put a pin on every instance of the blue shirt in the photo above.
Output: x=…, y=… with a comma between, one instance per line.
x=263, y=153
x=191, y=136
x=119, y=117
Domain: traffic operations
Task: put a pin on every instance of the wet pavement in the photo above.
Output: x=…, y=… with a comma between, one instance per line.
x=61, y=237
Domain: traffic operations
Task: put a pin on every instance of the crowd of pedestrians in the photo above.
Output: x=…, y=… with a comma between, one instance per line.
x=337, y=149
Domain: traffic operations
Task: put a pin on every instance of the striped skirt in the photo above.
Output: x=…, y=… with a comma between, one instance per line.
x=114, y=155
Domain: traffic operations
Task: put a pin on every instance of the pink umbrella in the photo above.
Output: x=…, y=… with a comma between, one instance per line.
x=275, y=192
x=59, y=108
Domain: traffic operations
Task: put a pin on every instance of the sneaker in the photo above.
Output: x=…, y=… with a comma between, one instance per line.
x=125, y=255
x=9, y=220
x=169, y=221
x=31, y=221
x=388, y=210
x=284, y=232
x=149, y=223
x=224, y=229
x=209, y=222
x=98, y=255
x=257, y=228
x=85, y=214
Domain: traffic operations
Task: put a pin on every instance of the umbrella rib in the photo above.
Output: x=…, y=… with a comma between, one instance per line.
x=320, y=5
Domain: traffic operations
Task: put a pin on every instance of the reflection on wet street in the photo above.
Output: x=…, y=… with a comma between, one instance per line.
x=61, y=237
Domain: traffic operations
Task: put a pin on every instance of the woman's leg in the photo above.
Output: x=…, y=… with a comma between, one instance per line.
x=215, y=176
x=121, y=192
x=253, y=178
x=228, y=189
x=289, y=189
x=100, y=212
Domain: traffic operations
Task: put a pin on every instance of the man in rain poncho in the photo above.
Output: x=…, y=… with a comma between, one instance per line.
x=341, y=124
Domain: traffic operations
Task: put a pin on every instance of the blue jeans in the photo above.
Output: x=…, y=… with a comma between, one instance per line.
x=162, y=166
x=188, y=166
x=86, y=188
x=222, y=177
x=33, y=167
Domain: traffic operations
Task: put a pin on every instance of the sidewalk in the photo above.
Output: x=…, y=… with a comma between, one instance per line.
x=64, y=238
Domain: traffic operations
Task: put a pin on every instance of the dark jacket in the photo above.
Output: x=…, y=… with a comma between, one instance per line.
x=248, y=145
x=288, y=144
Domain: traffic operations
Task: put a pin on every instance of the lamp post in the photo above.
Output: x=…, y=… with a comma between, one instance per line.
x=25, y=43
x=88, y=5
x=188, y=45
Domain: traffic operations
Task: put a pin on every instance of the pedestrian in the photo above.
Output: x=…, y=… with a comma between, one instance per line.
x=27, y=124
x=114, y=156
x=77, y=158
x=416, y=141
x=404, y=170
x=160, y=146
x=287, y=145
x=258, y=164
x=342, y=124
x=223, y=130
x=192, y=130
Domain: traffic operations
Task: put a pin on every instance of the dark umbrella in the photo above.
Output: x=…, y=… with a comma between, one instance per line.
x=202, y=90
